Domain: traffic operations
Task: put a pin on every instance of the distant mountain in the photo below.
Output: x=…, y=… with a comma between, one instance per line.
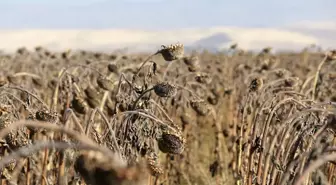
x=214, y=42
x=325, y=31
x=213, y=39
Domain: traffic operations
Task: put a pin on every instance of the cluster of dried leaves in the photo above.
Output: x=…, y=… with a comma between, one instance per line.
x=234, y=117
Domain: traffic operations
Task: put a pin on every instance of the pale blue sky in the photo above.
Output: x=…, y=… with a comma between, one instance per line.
x=161, y=14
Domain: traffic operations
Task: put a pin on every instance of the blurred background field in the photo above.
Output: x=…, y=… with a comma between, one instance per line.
x=146, y=24
x=156, y=92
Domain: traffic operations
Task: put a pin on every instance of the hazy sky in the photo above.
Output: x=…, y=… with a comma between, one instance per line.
x=161, y=14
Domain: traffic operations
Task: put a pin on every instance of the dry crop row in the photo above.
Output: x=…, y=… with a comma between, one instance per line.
x=233, y=117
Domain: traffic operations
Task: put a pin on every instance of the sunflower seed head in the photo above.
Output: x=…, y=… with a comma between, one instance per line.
x=331, y=121
x=44, y=115
x=18, y=138
x=38, y=48
x=172, y=52
x=234, y=46
x=52, y=83
x=165, y=89
x=79, y=105
x=113, y=68
x=171, y=142
x=22, y=50
x=203, y=78
x=154, y=165
x=192, y=62
x=6, y=117
x=331, y=55
x=256, y=84
x=5, y=110
x=201, y=107
x=267, y=50
x=105, y=84
x=92, y=93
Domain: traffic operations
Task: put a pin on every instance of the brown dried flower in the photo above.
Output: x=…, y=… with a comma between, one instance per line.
x=234, y=46
x=165, y=89
x=331, y=55
x=201, y=107
x=92, y=93
x=203, y=78
x=16, y=138
x=192, y=62
x=38, y=48
x=256, y=84
x=267, y=50
x=172, y=52
x=171, y=142
x=105, y=83
x=113, y=68
x=79, y=105
x=42, y=115
x=154, y=166
x=22, y=50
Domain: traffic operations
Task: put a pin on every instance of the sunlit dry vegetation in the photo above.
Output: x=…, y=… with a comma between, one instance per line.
x=171, y=117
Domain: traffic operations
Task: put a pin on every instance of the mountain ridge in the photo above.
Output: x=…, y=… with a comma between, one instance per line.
x=216, y=38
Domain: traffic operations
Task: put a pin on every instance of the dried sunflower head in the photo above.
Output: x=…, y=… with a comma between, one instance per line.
x=44, y=115
x=203, y=78
x=331, y=121
x=192, y=62
x=267, y=50
x=256, y=84
x=113, y=68
x=79, y=105
x=331, y=55
x=171, y=142
x=105, y=83
x=213, y=99
x=165, y=89
x=234, y=46
x=22, y=50
x=52, y=84
x=38, y=48
x=172, y=52
x=154, y=165
x=17, y=137
x=91, y=92
x=201, y=107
